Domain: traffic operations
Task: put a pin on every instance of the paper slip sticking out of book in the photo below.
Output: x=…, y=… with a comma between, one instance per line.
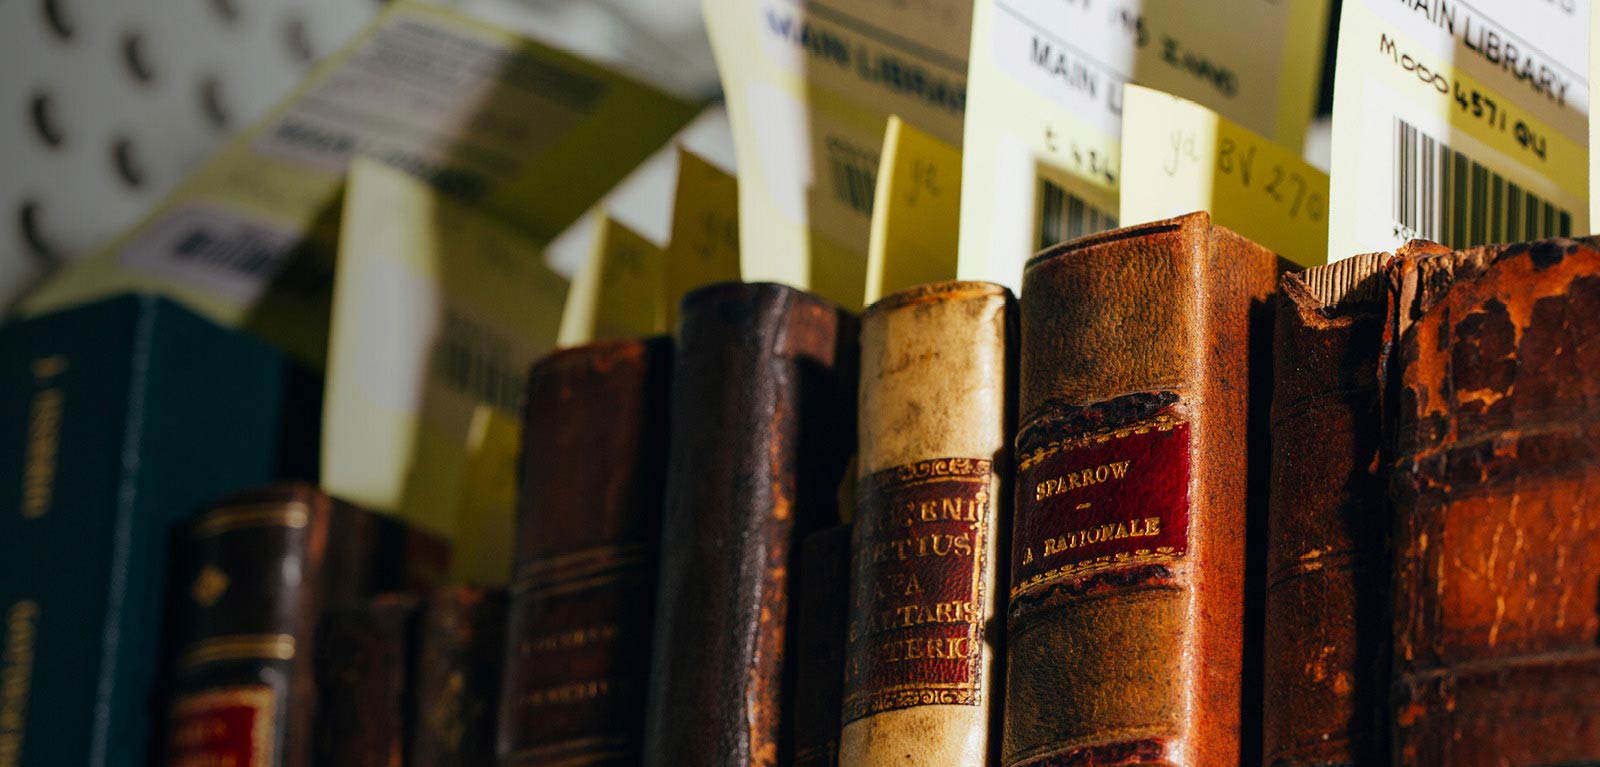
x=1182, y=157
x=1045, y=103
x=1461, y=123
x=916, y=218
x=437, y=309
x=482, y=114
x=810, y=87
x=705, y=231
x=619, y=292
x=486, y=518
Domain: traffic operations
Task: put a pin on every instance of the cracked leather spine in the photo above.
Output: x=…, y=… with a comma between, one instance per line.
x=578, y=648
x=1496, y=472
x=936, y=414
x=763, y=426
x=364, y=668
x=256, y=574
x=1327, y=637
x=461, y=635
x=1140, y=495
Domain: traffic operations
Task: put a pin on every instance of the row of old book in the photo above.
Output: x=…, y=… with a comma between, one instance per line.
x=1177, y=505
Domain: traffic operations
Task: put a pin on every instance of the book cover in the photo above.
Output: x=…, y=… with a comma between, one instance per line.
x=120, y=418
x=763, y=426
x=1140, y=499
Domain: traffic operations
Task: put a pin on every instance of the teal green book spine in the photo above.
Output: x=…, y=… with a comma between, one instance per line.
x=117, y=420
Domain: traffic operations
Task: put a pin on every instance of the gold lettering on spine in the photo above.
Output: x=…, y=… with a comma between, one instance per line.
x=915, y=633
x=1081, y=478
x=16, y=678
x=571, y=692
x=44, y=439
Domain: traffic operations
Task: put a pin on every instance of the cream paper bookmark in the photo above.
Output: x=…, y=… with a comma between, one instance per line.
x=437, y=309
x=916, y=221
x=810, y=87
x=1043, y=149
x=621, y=290
x=1182, y=157
x=486, y=516
x=1460, y=123
x=704, y=247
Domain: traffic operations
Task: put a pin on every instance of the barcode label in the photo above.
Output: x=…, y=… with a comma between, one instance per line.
x=221, y=250
x=854, y=174
x=1064, y=216
x=476, y=362
x=1442, y=195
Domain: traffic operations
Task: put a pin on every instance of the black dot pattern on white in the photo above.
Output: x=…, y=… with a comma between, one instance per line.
x=120, y=100
x=42, y=115
x=136, y=57
x=124, y=158
x=58, y=18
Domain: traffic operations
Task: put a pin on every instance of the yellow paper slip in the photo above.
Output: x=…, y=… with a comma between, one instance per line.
x=1182, y=157
x=437, y=310
x=810, y=87
x=486, y=522
x=482, y=114
x=619, y=292
x=1043, y=149
x=705, y=230
x=915, y=223
x=1460, y=123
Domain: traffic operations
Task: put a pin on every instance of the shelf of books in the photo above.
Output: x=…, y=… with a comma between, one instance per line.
x=1022, y=383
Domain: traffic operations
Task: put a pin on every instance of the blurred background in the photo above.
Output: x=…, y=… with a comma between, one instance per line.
x=109, y=103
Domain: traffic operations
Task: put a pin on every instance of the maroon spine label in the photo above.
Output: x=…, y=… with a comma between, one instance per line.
x=1101, y=501
x=917, y=587
x=227, y=727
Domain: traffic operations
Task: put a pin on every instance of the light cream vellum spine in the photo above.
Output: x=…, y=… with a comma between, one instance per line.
x=935, y=382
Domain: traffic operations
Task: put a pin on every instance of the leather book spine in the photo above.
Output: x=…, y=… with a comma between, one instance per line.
x=1494, y=482
x=1327, y=624
x=258, y=572
x=936, y=424
x=821, y=607
x=461, y=637
x=578, y=648
x=1140, y=484
x=763, y=426
x=364, y=659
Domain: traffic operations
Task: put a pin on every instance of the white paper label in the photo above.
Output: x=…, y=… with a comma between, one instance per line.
x=459, y=111
x=213, y=248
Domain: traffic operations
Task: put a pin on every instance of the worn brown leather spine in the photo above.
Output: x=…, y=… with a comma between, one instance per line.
x=822, y=608
x=1145, y=376
x=259, y=570
x=364, y=672
x=461, y=643
x=578, y=651
x=1327, y=634
x=936, y=417
x=763, y=426
x=1495, y=484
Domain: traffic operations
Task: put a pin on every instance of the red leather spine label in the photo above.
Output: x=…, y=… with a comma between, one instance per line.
x=917, y=587
x=1100, y=501
x=230, y=727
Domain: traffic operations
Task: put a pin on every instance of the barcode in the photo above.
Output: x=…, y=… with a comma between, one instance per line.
x=1064, y=216
x=854, y=173
x=477, y=363
x=1442, y=195
x=240, y=250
